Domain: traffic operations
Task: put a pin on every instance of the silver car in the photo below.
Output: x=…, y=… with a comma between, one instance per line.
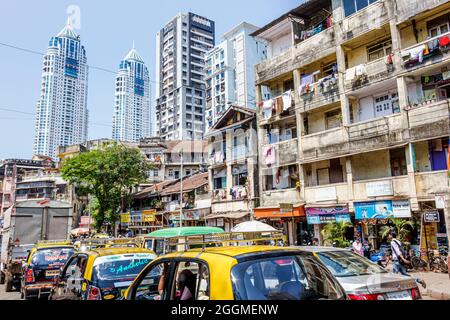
x=364, y=280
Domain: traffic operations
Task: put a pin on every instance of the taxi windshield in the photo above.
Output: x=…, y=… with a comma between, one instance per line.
x=294, y=277
x=120, y=266
x=51, y=257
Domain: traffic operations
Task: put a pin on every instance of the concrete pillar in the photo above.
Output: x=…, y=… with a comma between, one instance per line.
x=447, y=218
x=301, y=176
x=411, y=177
x=314, y=174
x=345, y=105
x=350, y=194
x=403, y=100
x=259, y=132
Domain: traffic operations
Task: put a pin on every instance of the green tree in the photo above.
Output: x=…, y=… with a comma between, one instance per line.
x=109, y=174
x=401, y=226
x=334, y=233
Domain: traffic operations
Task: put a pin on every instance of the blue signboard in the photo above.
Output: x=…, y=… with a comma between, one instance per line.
x=373, y=210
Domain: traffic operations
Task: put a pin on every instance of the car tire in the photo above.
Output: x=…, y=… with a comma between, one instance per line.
x=8, y=284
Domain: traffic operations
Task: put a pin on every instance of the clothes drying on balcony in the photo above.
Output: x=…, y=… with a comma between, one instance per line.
x=269, y=155
x=267, y=108
x=287, y=100
x=444, y=41
x=355, y=73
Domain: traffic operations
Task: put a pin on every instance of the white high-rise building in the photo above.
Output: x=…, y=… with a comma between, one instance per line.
x=131, y=118
x=230, y=78
x=61, y=112
x=180, y=70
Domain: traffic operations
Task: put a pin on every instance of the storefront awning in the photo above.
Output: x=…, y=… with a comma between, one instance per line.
x=229, y=215
x=274, y=212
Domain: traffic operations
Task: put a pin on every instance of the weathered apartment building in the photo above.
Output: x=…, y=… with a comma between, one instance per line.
x=233, y=167
x=358, y=119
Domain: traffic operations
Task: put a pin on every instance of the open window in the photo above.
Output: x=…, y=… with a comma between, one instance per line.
x=191, y=281
x=152, y=283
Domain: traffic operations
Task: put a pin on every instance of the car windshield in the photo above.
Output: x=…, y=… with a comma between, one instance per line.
x=120, y=266
x=348, y=264
x=51, y=257
x=296, y=277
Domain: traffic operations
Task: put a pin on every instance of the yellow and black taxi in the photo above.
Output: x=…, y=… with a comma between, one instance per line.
x=100, y=274
x=43, y=264
x=236, y=273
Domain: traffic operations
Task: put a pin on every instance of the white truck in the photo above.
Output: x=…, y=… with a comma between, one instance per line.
x=23, y=225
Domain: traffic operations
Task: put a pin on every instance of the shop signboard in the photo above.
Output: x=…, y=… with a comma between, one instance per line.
x=428, y=238
x=379, y=188
x=286, y=208
x=373, y=210
x=326, y=215
x=191, y=215
x=401, y=209
x=431, y=216
x=148, y=215
x=85, y=221
x=125, y=217
x=325, y=194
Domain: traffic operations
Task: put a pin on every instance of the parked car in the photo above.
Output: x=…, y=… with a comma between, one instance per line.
x=364, y=280
x=236, y=273
x=100, y=274
x=42, y=266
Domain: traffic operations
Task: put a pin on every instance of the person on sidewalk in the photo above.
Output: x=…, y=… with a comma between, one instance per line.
x=399, y=261
x=358, y=247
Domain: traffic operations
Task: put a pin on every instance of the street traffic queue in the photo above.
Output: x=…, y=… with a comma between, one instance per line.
x=203, y=264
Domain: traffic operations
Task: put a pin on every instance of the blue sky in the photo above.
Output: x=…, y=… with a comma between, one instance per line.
x=108, y=29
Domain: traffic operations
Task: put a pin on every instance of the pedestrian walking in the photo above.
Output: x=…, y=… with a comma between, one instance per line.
x=399, y=261
x=358, y=247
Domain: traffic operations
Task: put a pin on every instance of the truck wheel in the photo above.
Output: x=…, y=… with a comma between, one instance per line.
x=8, y=284
x=2, y=277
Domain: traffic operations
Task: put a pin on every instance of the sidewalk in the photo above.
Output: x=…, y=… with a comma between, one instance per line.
x=438, y=284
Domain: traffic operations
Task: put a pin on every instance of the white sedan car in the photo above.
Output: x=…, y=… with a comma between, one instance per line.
x=364, y=280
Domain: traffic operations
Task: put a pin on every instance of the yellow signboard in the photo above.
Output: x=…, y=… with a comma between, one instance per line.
x=148, y=215
x=124, y=218
x=428, y=239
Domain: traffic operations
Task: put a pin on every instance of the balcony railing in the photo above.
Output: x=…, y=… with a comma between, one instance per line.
x=285, y=153
x=324, y=144
x=411, y=55
x=429, y=120
x=312, y=49
x=374, y=71
x=326, y=91
x=219, y=195
x=239, y=152
x=430, y=183
x=407, y=9
x=274, y=108
x=372, y=17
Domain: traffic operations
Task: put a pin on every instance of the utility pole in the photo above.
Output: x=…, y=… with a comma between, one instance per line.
x=181, y=190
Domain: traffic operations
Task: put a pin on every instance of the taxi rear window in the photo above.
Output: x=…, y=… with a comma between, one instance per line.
x=120, y=266
x=51, y=257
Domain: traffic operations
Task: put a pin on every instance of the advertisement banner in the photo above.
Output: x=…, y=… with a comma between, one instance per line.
x=327, y=215
x=373, y=210
x=149, y=215
x=191, y=215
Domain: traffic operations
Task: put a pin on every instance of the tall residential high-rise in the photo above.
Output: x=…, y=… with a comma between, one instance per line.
x=230, y=78
x=131, y=118
x=180, y=68
x=61, y=111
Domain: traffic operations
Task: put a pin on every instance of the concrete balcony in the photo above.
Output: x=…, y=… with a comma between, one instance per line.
x=376, y=71
x=317, y=99
x=430, y=183
x=397, y=187
x=231, y=205
x=315, y=48
x=286, y=153
x=274, y=67
x=324, y=144
x=430, y=120
x=273, y=198
x=407, y=9
x=328, y=194
x=372, y=17
x=375, y=134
